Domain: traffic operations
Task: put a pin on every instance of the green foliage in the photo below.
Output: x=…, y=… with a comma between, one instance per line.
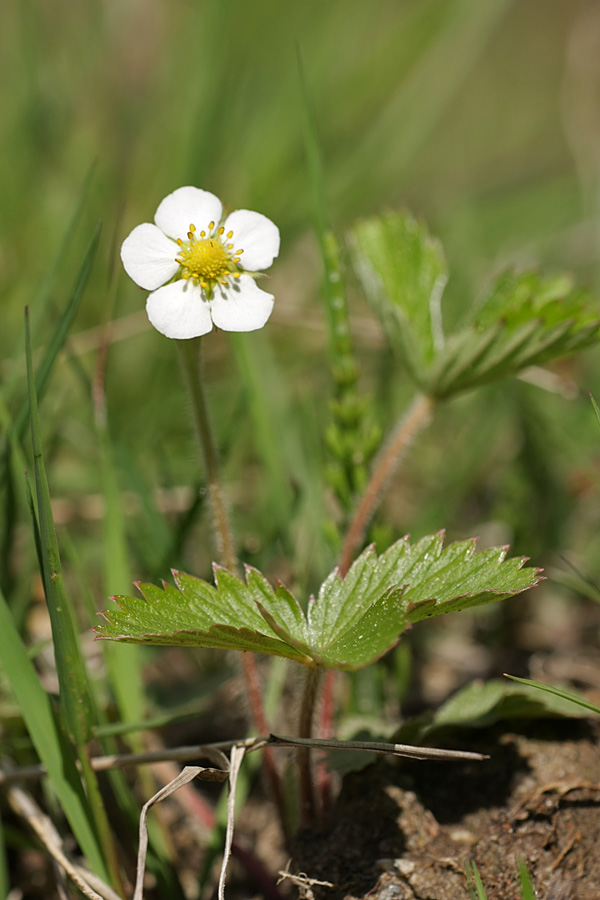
x=351, y=623
x=568, y=698
x=403, y=273
x=74, y=699
x=48, y=737
x=477, y=890
x=526, y=320
x=482, y=703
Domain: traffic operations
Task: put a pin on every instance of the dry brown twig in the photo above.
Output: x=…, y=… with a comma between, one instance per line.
x=90, y=885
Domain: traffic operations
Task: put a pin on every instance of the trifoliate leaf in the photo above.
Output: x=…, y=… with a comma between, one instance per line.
x=526, y=321
x=352, y=621
x=403, y=271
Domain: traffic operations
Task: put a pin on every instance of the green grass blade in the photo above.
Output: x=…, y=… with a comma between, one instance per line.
x=527, y=889
x=74, y=700
x=43, y=294
x=58, y=338
x=261, y=378
x=76, y=704
x=565, y=695
x=474, y=883
x=48, y=739
x=124, y=668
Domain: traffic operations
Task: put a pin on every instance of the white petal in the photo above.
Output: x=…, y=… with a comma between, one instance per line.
x=187, y=206
x=241, y=306
x=149, y=257
x=256, y=235
x=179, y=310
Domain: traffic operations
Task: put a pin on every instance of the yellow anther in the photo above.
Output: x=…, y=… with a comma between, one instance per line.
x=206, y=260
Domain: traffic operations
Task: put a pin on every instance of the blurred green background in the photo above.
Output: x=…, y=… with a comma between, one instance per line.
x=483, y=118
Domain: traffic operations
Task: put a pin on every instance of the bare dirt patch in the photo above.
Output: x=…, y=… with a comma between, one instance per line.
x=406, y=831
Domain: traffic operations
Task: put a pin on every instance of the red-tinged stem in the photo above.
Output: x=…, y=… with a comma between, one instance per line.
x=325, y=731
x=190, y=356
x=258, y=715
x=417, y=417
x=307, y=792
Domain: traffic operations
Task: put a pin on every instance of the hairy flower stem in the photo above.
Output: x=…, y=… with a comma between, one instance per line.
x=307, y=787
x=417, y=417
x=190, y=356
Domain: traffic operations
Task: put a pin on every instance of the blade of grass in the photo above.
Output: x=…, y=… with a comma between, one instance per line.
x=474, y=883
x=48, y=739
x=42, y=297
x=75, y=700
x=60, y=334
x=74, y=703
x=565, y=695
x=527, y=889
x=261, y=378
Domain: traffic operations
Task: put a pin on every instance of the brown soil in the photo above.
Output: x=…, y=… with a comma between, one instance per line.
x=405, y=831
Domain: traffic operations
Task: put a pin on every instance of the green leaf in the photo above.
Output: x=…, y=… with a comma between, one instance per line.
x=526, y=320
x=482, y=703
x=403, y=272
x=48, y=738
x=568, y=696
x=351, y=623
x=74, y=700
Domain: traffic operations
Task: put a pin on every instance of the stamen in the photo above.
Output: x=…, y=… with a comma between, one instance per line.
x=206, y=260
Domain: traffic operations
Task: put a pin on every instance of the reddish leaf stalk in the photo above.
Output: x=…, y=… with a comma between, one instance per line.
x=307, y=792
x=417, y=417
x=189, y=352
x=414, y=420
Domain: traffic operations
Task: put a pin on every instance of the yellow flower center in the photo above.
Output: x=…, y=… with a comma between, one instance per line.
x=209, y=258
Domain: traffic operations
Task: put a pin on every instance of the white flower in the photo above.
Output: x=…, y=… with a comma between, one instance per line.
x=200, y=271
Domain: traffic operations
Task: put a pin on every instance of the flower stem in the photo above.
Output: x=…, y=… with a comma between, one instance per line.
x=307, y=790
x=189, y=354
x=416, y=418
